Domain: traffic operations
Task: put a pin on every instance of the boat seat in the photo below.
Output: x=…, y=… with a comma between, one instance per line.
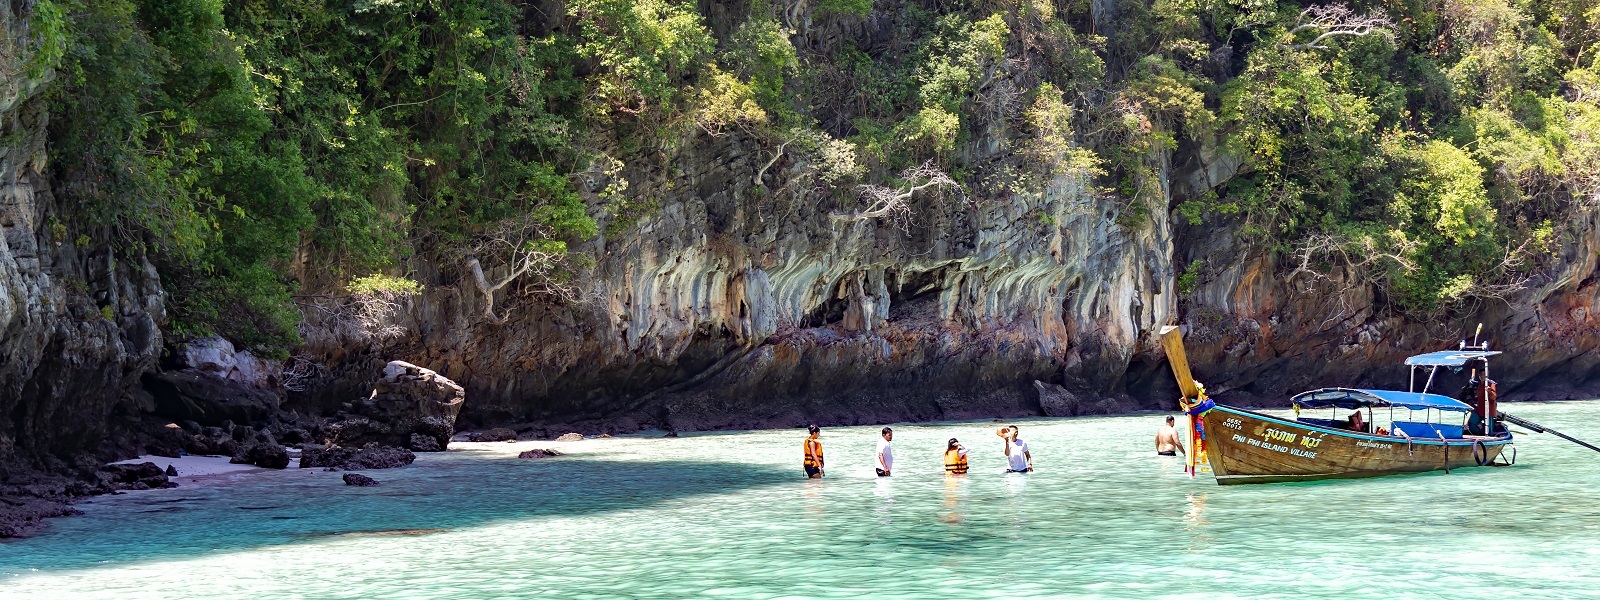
x=1430, y=431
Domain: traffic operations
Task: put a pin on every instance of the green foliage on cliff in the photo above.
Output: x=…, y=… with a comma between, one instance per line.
x=1433, y=148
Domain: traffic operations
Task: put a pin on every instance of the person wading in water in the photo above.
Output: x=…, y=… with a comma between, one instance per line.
x=885, y=455
x=1167, y=441
x=955, y=458
x=1018, y=460
x=813, y=450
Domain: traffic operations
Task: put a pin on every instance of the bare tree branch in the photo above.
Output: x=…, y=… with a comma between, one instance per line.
x=775, y=157
x=895, y=202
x=521, y=245
x=1333, y=20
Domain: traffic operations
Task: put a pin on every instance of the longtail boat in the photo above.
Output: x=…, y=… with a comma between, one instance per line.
x=1434, y=432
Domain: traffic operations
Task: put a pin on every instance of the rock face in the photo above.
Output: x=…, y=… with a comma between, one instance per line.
x=339, y=458
x=358, y=479
x=723, y=311
x=79, y=317
x=409, y=407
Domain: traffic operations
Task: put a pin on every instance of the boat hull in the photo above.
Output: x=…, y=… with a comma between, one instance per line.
x=1249, y=447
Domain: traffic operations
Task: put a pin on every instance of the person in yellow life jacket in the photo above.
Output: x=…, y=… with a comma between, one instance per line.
x=813, y=450
x=955, y=458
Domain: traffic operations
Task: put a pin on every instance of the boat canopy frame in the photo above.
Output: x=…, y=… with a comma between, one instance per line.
x=1351, y=398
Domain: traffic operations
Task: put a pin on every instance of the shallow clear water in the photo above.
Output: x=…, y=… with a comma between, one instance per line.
x=728, y=514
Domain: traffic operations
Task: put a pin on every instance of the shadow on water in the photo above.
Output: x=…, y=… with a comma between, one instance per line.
x=432, y=497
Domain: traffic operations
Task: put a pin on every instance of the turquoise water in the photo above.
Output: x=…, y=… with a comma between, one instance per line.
x=729, y=515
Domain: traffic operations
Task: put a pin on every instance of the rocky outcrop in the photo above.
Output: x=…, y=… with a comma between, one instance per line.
x=409, y=407
x=210, y=383
x=538, y=453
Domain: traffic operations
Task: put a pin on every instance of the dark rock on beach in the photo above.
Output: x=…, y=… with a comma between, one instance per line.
x=141, y=476
x=498, y=434
x=271, y=456
x=538, y=453
x=359, y=480
x=340, y=458
x=172, y=471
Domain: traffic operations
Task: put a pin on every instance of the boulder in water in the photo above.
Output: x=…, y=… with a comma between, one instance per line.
x=358, y=479
x=570, y=437
x=538, y=453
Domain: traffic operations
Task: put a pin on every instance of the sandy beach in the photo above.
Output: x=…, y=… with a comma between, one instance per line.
x=198, y=469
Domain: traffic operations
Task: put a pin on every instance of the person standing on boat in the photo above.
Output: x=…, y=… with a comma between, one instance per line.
x=1018, y=460
x=885, y=454
x=813, y=453
x=1481, y=395
x=955, y=458
x=1167, y=441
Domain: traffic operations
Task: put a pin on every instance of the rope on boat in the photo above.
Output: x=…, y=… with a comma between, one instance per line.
x=1407, y=436
x=1446, y=452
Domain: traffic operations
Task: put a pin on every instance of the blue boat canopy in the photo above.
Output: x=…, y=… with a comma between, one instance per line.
x=1447, y=358
x=1352, y=398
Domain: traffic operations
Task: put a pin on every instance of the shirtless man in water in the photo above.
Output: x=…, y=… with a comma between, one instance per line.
x=1167, y=441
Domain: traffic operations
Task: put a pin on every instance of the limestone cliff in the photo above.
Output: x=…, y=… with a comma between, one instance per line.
x=79, y=320
x=718, y=311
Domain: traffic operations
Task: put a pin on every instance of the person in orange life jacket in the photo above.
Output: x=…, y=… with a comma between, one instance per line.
x=955, y=458
x=813, y=453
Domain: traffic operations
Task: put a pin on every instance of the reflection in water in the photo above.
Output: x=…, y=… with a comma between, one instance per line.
x=1194, y=520
x=954, y=485
x=811, y=495
x=883, y=489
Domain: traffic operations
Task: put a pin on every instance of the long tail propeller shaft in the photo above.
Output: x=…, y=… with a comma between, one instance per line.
x=1542, y=429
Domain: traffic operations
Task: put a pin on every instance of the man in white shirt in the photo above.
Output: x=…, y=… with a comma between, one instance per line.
x=885, y=454
x=1018, y=460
